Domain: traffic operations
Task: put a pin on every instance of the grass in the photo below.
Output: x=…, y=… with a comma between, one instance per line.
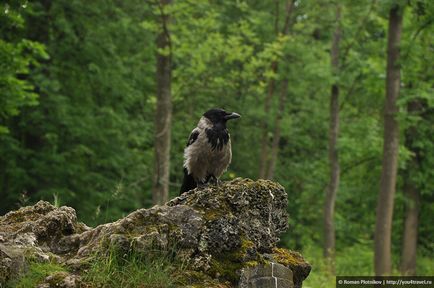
x=154, y=269
x=352, y=261
x=160, y=269
x=35, y=274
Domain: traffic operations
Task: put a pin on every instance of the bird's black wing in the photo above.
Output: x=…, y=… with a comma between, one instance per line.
x=193, y=137
x=188, y=182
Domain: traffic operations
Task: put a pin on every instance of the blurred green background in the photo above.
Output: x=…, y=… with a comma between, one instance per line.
x=78, y=101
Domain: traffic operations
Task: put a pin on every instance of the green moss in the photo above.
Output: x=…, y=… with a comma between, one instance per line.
x=228, y=265
x=242, y=251
x=35, y=274
x=213, y=214
x=210, y=214
x=251, y=264
x=246, y=244
x=190, y=277
x=208, y=284
x=286, y=257
x=57, y=278
x=196, y=279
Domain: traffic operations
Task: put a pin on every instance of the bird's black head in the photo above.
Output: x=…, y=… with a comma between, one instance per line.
x=219, y=116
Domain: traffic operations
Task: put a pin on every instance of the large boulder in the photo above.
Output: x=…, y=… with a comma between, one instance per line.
x=225, y=235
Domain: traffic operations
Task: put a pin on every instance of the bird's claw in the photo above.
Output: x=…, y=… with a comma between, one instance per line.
x=218, y=182
x=212, y=180
x=202, y=185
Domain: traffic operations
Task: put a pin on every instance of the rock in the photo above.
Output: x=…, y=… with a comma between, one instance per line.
x=294, y=261
x=61, y=280
x=266, y=276
x=225, y=235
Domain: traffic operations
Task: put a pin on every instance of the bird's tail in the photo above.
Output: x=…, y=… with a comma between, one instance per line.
x=188, y=183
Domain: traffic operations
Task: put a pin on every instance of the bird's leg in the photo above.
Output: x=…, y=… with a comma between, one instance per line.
x=202, y=184
x=210, y=180
x=213, y=180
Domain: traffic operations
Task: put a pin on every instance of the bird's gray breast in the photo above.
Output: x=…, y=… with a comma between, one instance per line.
x=208, y=156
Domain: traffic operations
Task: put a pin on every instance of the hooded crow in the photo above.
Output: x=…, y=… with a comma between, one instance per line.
x=208, y=152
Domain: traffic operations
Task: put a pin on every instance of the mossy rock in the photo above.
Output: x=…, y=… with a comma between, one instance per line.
x=295, y=262
x=215, y=231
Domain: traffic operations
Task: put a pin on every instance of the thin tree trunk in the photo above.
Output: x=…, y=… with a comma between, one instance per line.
x=276, y=18
x=383, y=228
x=263, y=160
x=332, y=188
x=411, y=222
x=277, y=129
x=264, y=154
x=412, y=205
x=163, y=115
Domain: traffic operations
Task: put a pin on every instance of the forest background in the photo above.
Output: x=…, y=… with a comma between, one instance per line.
x=97, y=99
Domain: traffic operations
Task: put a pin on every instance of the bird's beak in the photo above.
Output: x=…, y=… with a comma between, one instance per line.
x=233, y=115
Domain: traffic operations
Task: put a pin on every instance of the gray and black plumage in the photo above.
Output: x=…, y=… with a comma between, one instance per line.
x=208, y=152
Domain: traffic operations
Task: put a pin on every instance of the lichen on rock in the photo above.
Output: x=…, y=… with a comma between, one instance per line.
x=218, y=233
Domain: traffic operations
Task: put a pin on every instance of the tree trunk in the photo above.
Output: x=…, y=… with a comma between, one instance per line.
x=163, y=114
x=277, y=129
x=263, y=160
x=332, y=188
x=412, y=204
x=383, y=228
x=264, y=154
x=411, y=222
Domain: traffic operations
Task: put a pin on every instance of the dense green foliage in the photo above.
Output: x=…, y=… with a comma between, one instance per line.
x=352, y=260
x=86, y=140
x=77, y=102
x=17, y=54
